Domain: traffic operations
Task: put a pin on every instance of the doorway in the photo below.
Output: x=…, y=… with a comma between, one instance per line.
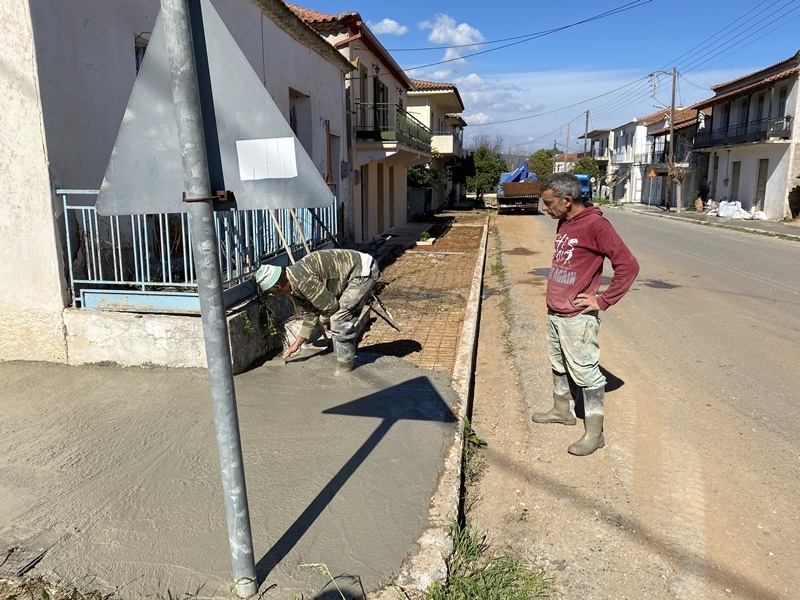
x=761, y=183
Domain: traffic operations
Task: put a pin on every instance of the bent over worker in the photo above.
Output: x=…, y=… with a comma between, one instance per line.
x=584, y=239
x=329, y=286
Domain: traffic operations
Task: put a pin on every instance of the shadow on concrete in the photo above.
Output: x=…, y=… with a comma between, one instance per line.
x=416, y=399
x=399, y=348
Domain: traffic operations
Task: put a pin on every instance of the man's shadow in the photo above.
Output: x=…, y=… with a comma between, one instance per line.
x=416, y=400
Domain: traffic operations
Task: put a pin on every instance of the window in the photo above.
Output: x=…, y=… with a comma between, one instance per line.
x=760, y=107
x=782, y=94
x=300, y=118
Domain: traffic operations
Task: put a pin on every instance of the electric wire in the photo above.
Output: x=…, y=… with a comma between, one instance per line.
x=613, y=104
x=623, y=8
x=524, y=37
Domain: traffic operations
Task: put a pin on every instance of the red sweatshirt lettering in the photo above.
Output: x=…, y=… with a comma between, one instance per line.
x=582, y=245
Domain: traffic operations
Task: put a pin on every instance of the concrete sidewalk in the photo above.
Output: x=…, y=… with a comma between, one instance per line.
x=109, y=478
x=773, y=228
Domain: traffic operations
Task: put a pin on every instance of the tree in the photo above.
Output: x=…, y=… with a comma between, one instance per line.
x=488, y=166
x=587, y=166
x=514, y=156
x=425, y=175
x=541, y=163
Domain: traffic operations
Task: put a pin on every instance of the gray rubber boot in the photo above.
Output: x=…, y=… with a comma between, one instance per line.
x=343, y=366
x=345, y=357
x=593, y=403
x=562, y=403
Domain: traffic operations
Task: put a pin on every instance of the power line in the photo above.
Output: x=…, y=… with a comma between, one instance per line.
x=523, y=37
x=638, y=92
x=620, y=9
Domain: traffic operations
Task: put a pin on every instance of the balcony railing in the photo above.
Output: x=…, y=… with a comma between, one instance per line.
x=622, y=157
x=743, y=133
x=146, y=262
x=383, y=122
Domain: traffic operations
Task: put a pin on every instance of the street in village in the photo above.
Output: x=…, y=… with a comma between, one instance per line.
x=694, y=495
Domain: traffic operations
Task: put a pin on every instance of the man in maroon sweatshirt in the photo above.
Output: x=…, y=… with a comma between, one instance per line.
x=584, y=239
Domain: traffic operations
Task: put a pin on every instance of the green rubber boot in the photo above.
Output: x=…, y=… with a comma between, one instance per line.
x=562, y=403
x=593, y=402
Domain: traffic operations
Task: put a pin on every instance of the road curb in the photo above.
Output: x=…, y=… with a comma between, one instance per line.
x=429, y=564
x=778, y=234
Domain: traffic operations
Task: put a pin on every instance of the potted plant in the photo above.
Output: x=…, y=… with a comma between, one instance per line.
x=700, y=195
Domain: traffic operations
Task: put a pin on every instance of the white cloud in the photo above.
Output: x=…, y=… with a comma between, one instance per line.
x=387, y=27
x=478, y=118
x=445, y=31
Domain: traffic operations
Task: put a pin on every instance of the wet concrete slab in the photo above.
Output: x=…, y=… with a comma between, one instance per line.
x=119, y=468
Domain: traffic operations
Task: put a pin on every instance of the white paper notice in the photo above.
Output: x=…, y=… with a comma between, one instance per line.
x=266, y=159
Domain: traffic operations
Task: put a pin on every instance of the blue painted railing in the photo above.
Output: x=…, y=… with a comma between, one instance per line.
x=145, y=262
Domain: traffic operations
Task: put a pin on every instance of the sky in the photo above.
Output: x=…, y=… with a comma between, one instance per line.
x=528, y=72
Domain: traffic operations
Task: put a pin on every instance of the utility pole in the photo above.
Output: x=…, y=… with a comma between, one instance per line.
x=586, y=133
x=178, y=17
x=670, y=146
x=671, y=159
x=566, y=149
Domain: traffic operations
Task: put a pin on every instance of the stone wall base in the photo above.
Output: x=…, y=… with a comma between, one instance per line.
x=136, y=339
x=33, y=335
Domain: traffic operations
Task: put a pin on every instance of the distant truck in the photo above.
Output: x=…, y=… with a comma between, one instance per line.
x=518, y=190
x=586, y=187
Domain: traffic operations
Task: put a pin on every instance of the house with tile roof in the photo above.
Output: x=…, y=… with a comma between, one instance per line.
x=67, y=77
x=439, y=106
x=388, y=138
x=658, y=187
x=749, y=137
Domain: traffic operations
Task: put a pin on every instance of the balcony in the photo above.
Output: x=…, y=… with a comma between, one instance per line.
x=600, y=154
x=624, y=157
x=447, y=143
x=383, y=122
x=654, y=157
x=744, y=133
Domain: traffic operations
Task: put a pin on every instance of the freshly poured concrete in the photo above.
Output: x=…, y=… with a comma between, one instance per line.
x=118, y=470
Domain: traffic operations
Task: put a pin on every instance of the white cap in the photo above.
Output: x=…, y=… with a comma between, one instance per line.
x=267, y=276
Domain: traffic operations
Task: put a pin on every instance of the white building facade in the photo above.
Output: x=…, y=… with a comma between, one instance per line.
x=751, y=140
x=68, y=71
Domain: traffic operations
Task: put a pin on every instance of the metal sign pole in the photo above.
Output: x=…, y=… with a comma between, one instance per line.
x=186, y=96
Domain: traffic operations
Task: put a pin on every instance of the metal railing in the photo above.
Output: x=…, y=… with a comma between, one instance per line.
x=146, y=261
x=752, y=131
x=388, y=122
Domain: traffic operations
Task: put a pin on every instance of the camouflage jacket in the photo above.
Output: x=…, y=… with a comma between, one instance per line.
x=318, y=281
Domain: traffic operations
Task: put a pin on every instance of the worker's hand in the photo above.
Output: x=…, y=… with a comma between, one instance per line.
x=294, y=348
x=587, y=301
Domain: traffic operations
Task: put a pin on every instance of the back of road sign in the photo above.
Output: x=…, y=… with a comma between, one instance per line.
x=252, y=150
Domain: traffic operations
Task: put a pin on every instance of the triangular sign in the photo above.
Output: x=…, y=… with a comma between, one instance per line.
x=252, y=150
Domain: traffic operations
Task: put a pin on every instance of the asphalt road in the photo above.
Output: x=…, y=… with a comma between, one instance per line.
x=702, y=356
x=723, y=307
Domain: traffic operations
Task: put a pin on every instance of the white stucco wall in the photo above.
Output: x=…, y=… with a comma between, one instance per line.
x=31, y=295
x=777, y=174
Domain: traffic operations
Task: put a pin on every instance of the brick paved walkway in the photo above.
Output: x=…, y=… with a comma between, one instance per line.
x=426, y=288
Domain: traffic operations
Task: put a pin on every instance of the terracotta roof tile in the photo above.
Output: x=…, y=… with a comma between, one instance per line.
x=722, y=85
x=654, y=118
x=431, y=86
x=312, y=16
x=755, y=85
